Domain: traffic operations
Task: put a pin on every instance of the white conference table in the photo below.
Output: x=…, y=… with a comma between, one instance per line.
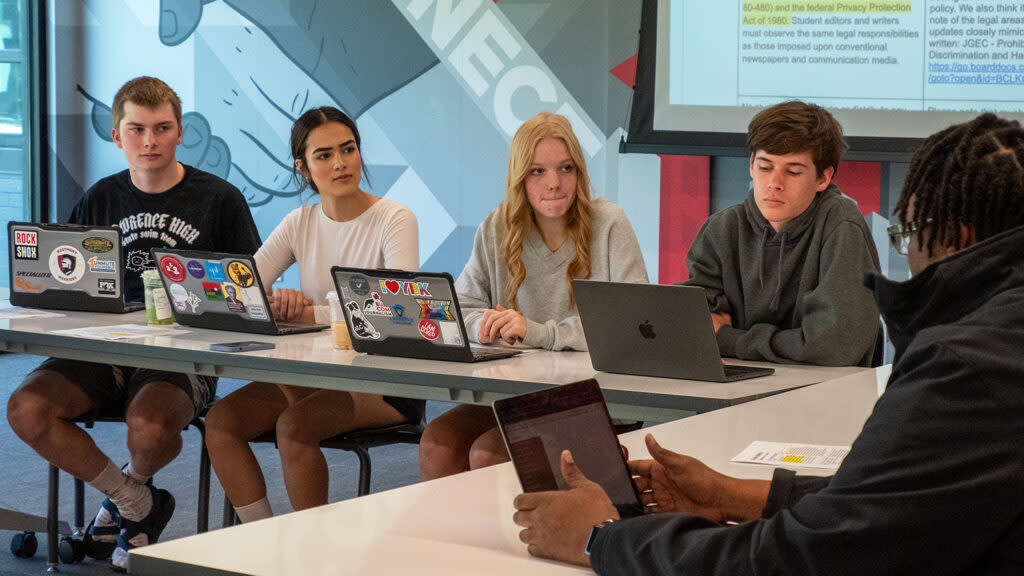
x=311, y=360
x=463, y=524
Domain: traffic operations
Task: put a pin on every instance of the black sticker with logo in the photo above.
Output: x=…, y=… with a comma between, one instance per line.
x=107, y=286
x=97, y=244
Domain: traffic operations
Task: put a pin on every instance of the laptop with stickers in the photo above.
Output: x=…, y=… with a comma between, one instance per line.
x=67, y=267
x=654, y=330
x=219, y=291
x=410, y=314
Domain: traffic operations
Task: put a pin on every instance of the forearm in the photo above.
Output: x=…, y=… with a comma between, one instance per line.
x=745, y=499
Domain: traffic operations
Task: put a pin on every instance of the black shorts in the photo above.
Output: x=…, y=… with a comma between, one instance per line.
x=111, y=388
x=413, y=410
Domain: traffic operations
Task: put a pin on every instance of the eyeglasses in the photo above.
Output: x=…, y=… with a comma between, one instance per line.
x=899, y=235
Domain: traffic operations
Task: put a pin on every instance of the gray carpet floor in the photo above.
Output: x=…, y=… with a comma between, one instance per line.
x=23, y=476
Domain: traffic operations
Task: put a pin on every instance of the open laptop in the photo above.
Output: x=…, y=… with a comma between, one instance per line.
x=654, y=330
x=219, y=291
x=67, y=267
x=411, y=314
x=536, y=428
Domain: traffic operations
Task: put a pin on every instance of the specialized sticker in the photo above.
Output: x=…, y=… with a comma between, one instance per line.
x=193, y=302
x=24, y=285
x=67, y=264
x=233, y=298
x=34, y=274
x=102, y=266
x=359, y=284
x=398, y=315
x=172, y=268
x=428, y=329
x=435, y=309
x=450, y=333
x=106, y=286
x=373, y=306
x=26, y=245
x=97, y=244
x=406, y=288
x=179, y=297
x=138, y=260
x=240, y=273
x=213, y=291
x=195, y=268
x=215, y=271
x=360, y=325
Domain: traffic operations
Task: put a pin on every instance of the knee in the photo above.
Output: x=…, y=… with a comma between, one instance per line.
x=30, y=414
x=152, y=433
x=294, y=431
x=223, y=426
x=485, y=452
x=442, y=453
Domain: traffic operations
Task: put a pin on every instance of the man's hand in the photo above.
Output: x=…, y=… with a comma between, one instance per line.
x=676, y=483
x=502, y=323
x=288, y=305
x=720, y=319
x=557, y=524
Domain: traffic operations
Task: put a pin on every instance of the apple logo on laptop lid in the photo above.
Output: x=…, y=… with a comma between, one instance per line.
x=647, y=330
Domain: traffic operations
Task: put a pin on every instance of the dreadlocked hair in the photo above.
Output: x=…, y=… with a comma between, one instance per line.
x=971, y=173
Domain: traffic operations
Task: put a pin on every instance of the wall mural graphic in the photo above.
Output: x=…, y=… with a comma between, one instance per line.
x=437, y=88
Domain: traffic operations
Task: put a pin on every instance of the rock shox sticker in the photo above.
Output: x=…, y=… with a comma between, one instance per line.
x=26, y=245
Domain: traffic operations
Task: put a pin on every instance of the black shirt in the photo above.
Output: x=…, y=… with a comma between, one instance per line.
x=201, y=212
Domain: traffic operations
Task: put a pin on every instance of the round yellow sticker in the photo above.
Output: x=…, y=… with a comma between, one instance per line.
x=240, y=273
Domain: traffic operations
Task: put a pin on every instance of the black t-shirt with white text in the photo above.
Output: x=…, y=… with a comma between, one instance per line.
x=202, y=212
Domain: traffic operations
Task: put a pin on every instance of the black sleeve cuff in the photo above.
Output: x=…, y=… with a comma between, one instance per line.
x=787, y=488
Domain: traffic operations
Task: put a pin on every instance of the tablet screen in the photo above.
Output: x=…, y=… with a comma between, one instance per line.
x=538, y=426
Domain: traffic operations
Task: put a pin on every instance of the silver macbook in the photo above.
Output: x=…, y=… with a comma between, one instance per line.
x=654, y=330
x=67, y=267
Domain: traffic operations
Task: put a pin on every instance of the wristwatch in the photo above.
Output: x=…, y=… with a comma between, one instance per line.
x=593, y=534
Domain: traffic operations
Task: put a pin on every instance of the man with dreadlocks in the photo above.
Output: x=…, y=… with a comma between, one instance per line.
x=933, y=483
x=784, y=270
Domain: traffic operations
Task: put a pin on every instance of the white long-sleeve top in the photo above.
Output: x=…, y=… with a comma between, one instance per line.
x=386, y=235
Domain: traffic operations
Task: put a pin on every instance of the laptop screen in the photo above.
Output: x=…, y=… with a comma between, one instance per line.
x=419, y=307
x=198, y=285
x=48, y=257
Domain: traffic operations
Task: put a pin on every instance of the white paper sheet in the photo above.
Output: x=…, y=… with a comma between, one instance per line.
x=22, y=313
x=788, y=454
x=120, y=331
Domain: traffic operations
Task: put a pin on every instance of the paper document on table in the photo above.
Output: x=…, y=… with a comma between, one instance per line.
x=23, y=313
x=784, y=453
x=119, y=332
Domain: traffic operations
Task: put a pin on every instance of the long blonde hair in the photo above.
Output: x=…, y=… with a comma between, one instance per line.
x=517, y=214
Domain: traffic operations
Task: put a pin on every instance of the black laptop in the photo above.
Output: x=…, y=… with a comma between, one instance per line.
x=654, y=330
x=411, y=314
x=67, y=267
x=219, y=291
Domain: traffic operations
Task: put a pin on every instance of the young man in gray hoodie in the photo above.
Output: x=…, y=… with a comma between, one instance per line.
x=784, y=271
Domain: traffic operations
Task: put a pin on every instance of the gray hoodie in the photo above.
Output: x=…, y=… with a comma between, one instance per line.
x=794, y=296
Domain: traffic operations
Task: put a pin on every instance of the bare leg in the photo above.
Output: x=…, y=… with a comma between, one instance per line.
x=318, y=416
x=446, y=442
x=488, y=450
x=40, y=413
x=230, y=425
x=155, y=418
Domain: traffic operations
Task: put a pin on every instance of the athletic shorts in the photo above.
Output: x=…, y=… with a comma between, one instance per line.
x=111, y=388
x=413, y=410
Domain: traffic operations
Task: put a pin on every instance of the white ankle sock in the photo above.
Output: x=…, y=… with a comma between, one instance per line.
x=133, y=500
x=131, y=473
x=258, y=510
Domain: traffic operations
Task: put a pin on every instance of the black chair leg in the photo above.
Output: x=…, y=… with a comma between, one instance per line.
x=79, y=508
x=364, y=470
x=51, y=520
x=203, y=507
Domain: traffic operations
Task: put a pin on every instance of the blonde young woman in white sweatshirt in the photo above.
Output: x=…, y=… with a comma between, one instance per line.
x=517, y=285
